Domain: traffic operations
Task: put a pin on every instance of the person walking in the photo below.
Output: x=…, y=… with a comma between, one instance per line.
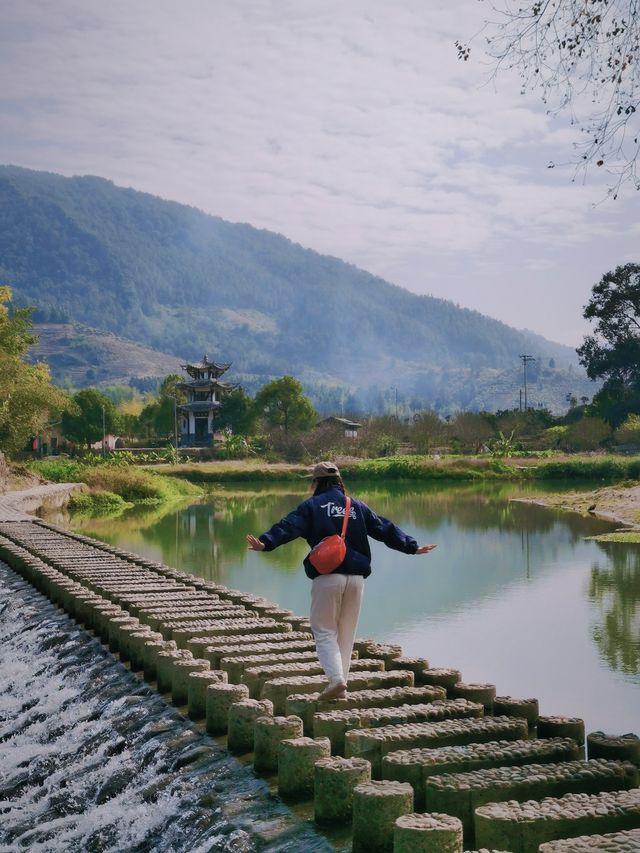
x=336, y=598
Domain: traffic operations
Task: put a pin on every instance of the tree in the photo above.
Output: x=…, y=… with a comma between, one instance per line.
x=237, y=412
x=612, y=352
x=28, y=399
x=470, y=431
x=283, y=404
x=587, y=434
x=86, y=425
x=426, y=430
x=578, y=54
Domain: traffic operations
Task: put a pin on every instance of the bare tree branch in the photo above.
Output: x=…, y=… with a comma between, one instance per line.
x=583, y=56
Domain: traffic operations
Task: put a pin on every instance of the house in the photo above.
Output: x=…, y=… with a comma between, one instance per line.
x=350, y=427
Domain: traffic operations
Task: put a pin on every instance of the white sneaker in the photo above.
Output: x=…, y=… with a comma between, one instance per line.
x=336, y=689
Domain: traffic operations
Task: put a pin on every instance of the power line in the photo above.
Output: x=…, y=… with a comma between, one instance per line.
x=525, y=360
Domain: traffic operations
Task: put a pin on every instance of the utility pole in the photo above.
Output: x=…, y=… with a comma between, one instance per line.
x=104, y=434
x=525, y=360
x=175, y=422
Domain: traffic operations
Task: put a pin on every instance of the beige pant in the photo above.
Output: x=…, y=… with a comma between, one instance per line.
x=335, y=608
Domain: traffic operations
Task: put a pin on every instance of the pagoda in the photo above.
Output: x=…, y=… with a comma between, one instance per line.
x=204, y=392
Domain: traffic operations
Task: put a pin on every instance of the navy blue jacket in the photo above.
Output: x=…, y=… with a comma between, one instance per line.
x=322, y=515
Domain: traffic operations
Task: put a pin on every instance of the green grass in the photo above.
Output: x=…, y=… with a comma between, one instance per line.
x=426, y=468
x=131, y=484
x=98, y=503
x=628, y=537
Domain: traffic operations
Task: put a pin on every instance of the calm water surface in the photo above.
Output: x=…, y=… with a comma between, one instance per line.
x=514, y=595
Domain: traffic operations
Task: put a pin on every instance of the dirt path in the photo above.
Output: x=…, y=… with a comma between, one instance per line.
x=21, y=505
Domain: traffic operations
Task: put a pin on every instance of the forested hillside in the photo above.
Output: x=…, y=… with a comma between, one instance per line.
x=177, y=280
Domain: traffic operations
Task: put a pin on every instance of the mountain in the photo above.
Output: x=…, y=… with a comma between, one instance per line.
x=174, y=279
x=79, y=356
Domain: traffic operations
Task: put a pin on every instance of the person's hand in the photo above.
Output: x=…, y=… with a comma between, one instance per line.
x=424, y=549
x=254, y=543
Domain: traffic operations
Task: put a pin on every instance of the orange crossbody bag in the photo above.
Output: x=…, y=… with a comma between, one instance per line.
x=331, y=551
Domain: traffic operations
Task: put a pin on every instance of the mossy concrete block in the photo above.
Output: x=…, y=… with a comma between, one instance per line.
x=616, y=747
x=197, y=684
x=374, y=744
x=558, y=726
x=523, y=827
x=242, y=720
x=296, y=760
x=485, y=694
x=228, y=627
x=181, y=671
x=307, y=706
x=236, y=644
x=268, y=733
x=440, y=677
x=376, y=807
x=335, y=724
x=509, y=706
x=279, y=689
x=414, y=664
x=137, y=642
x=335, y=781
x=113, y=628
x=256, y=676
x=460, y=794
x=164, y=667
x=220, y=697
x=236, y=666
x=627, y=841
x=427, y=833
x=152, y=649
x=386, y=652
x=417, y=765
x=266, y=649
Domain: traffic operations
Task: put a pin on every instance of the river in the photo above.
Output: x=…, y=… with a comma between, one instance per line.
x=515, y=594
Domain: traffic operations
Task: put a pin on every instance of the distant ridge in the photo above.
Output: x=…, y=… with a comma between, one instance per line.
x=181, y=282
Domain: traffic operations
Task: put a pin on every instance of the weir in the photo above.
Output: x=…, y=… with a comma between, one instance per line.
x=414, y=758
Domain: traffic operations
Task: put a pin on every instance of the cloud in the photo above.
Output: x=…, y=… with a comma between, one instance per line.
x=351, y=128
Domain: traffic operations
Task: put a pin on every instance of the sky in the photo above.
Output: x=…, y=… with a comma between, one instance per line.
x=349, y=126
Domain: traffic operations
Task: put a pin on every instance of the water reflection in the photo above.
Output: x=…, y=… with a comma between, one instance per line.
x=615, y=588
x=511, y=595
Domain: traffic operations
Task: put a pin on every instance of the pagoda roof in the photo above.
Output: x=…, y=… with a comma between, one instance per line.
x=206, y=364
x=205, y=383
x=199, y=406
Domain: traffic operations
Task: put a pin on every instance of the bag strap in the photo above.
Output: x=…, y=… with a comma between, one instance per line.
x=345, y=522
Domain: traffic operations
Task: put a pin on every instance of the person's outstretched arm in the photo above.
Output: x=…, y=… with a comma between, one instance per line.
x=286, y=530
x=386, y=531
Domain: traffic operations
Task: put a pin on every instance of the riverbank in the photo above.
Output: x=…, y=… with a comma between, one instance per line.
x=614, y=503
x=595, y=467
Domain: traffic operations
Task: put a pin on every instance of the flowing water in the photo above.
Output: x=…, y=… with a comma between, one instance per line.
x=93, y=760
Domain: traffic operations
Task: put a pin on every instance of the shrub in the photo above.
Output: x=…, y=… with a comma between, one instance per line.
x=629, y=431
x=57, y=470
x=130, y=483
x=587, y=434
x=97, y=503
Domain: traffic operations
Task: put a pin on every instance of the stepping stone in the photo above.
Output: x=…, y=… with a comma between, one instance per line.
x=418, y=765
x=374, y=744
x=523, y=827
x=460, y=794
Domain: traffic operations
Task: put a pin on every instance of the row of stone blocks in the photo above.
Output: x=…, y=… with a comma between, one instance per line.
x=299, y=759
